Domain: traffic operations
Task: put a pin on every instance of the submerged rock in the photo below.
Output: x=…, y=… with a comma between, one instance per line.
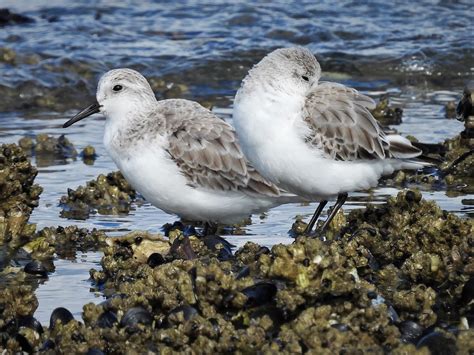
x=386, y=114
x=108, y=194
x=48, y=150
x=10, y=18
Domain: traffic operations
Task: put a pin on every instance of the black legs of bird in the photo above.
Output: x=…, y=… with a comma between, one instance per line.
x=209, y=229
x=341, y=199
x=315, y=217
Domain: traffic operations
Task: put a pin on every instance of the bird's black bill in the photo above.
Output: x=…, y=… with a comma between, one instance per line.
x=89, y=110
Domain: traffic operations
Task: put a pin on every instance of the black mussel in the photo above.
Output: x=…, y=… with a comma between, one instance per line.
x=135, y=316
x=411, y=331
x=180, y=314
x=259, y=294
x=94, y=351
x=182, y=249
x=107, y=319
x=37, y=268
x=219, y=244
x=61, y=315
x=155, y=260
x=467, y=295
x=262, y=250
x=340, y=326
x=30, y=322
x=48, y=345
x=244, y=272
x=24, y=343
x=438, y=344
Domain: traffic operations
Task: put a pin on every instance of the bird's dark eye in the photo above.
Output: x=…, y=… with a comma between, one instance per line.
x=305, y=78
x=117, y=88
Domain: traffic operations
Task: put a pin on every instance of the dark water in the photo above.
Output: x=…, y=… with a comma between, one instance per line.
x=420, y=53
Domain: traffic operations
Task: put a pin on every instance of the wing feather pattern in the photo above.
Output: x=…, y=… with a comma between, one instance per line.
x=341, y=125
x=207, y=151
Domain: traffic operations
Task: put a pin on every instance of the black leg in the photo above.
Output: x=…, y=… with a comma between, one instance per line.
x=341, y=198
x=315, y=217
x=209, y=228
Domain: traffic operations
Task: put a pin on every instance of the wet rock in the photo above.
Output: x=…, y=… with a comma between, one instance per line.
x=36, y=268
x=10, y=18
x=450, y=109
x=108, y=194
x=386, y=114
x=88, y=155
x=48, y=150
x=311, y=295
x=60, y=315
x=18, y=194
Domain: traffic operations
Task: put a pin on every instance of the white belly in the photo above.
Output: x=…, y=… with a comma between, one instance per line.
x=154, y=175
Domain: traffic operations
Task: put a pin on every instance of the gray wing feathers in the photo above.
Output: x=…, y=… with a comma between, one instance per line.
x=208, y=153
x=341, y=125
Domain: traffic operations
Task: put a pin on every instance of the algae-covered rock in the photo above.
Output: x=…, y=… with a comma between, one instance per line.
x=18, y=194
x=48, y=150
x=386, y=114
x=394, y=278
x=108, y=194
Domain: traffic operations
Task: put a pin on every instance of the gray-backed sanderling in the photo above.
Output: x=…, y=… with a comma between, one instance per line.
x=315, y=139
x=180, y=156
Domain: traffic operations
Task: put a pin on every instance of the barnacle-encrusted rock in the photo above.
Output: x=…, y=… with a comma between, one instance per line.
x=453, y=160
x=48, y=150
x=387, y=271
x=18, y=194
x=108, y=194
x=385, y=114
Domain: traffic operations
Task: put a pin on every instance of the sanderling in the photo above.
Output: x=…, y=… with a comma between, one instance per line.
x=315, y=139
x=180, y=156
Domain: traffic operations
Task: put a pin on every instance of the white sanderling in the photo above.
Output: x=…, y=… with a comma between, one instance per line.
x=315, y=139
x=180, y=156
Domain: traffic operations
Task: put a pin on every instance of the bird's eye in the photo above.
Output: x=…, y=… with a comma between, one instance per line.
x=117, y=88
x=305, y=78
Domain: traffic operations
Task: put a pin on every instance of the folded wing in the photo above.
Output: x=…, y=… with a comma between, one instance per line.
x=340, y=124
x=208, y=153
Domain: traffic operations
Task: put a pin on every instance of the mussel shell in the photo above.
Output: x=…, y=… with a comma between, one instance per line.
x=259, y=294
x=48, y=345
x=173, y=317
x=107, y=319
x=244, y=272
x=411, y=331
x=60, y=314
x=37, y=268
x=30, y=322
x=155, y=260
x=94, y=351
x=467, y=294
x=135, y=316
x=24, y=343
x=219, y=244
x=437, y=343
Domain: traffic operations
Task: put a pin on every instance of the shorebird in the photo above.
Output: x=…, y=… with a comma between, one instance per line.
x=315, y=139
x=179, y=155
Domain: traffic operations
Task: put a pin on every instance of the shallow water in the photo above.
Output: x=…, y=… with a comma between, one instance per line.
x=419, y=53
